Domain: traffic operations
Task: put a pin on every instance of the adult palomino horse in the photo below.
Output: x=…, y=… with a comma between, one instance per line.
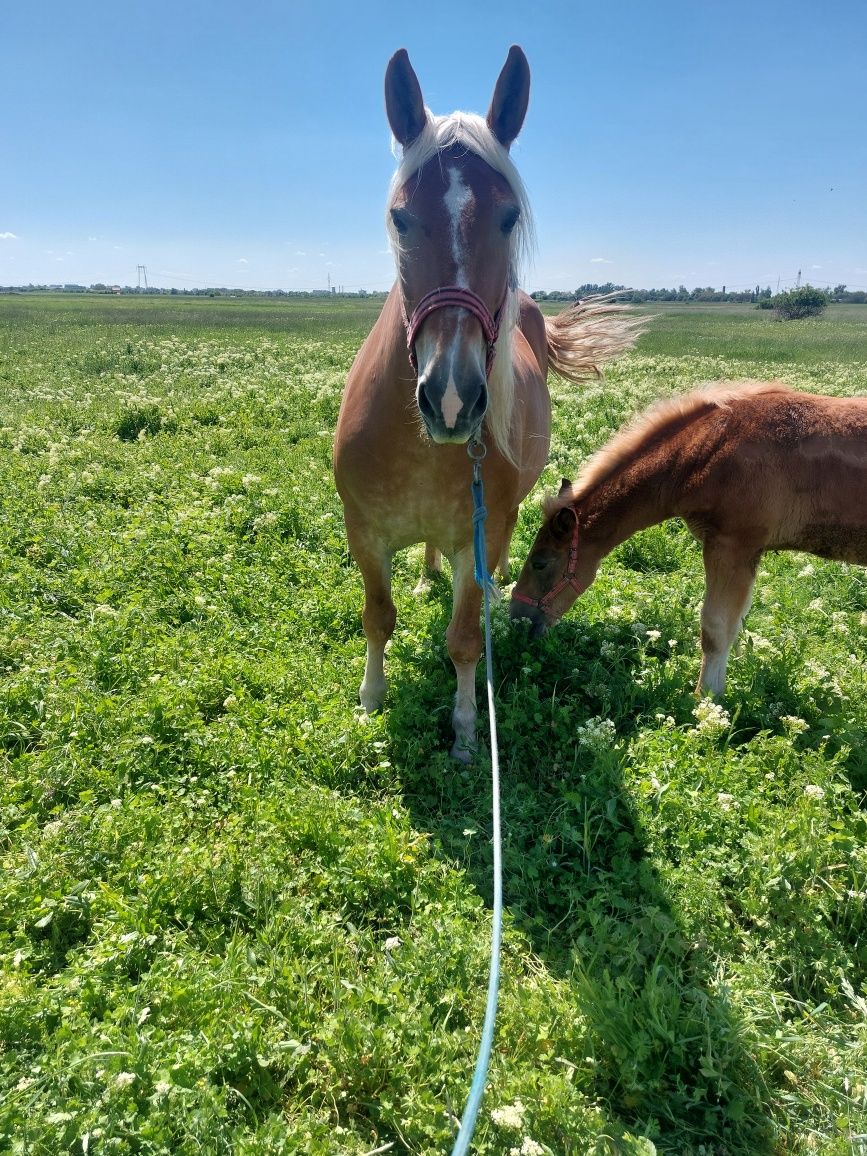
x=457, y=353
x=749, y=466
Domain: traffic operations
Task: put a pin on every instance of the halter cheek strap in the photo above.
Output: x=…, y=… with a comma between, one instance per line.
x=544, y=603
x=464, y=299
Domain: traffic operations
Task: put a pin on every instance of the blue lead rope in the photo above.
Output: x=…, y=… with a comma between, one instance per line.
x=484, y=579
x=480, y=514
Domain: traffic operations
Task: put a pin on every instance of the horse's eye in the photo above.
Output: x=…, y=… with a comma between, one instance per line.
x=510, y=220
x=540, y=563
x=400, y=220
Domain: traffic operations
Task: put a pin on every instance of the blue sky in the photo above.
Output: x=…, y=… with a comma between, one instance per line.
x=245, y=144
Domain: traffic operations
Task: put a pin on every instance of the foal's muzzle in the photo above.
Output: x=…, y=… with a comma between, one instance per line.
x=538, y=619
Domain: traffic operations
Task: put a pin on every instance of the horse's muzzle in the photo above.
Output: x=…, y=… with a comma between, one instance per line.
x=451, y=413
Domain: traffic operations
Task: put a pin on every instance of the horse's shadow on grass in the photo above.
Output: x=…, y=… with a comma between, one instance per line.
x=669, y=1051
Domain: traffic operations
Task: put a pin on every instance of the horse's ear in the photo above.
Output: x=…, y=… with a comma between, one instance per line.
x=511, y=97
x=565, y=486
x=404, y=104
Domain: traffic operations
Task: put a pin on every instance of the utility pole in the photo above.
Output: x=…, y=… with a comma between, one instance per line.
x=142, y=272
x=798, y=283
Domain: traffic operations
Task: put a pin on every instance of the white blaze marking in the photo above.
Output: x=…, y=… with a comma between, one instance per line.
x=451, y=404
x=458, y=199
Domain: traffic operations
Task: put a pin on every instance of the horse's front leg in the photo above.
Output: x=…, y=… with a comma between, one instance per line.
x=378, y=616
x=464, y=640
x=503, y=560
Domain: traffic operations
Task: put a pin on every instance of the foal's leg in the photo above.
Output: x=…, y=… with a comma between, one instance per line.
x=729, y=574
x=433, y=566
x=378, y=616
x=464, y=640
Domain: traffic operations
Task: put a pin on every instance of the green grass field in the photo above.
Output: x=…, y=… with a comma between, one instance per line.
x=237, y=916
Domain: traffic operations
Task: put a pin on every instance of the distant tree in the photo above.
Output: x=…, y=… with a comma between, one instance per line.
x=797, y=303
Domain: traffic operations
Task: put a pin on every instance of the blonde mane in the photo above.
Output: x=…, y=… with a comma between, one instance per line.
x=661, y=420
x=472, y=132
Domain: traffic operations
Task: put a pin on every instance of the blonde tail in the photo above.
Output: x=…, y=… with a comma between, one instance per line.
x=589, y=333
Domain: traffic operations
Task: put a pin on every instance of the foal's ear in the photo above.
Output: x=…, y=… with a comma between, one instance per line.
x=565, y=485
x=511, y=97
x=404, y=104
x=563, y=522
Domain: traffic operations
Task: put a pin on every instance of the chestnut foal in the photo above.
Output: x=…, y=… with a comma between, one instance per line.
x=749, y=466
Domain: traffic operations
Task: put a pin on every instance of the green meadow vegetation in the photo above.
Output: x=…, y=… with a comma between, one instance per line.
x=238, y=916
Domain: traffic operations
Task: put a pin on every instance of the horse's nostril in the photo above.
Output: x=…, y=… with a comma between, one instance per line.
x=425, y=404
x=479, y=407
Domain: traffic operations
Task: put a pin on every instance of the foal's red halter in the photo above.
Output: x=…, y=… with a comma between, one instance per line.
x=568, y=579
x=465, y=299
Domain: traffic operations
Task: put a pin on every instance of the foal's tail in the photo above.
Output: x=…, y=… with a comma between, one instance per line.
x=589, y=333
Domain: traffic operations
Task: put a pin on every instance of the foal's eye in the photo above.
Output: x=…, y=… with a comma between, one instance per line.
x=540, y=563
x=400, y=220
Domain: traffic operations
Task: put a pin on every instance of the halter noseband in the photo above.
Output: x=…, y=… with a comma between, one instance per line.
x=568, y=579
x=464, y=299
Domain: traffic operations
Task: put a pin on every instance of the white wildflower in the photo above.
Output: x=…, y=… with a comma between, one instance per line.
x=793, y=724
x=529, y=1148
x=597, y=734
x=713, y=720
x=808, y=571
x=124, y=1079
x=654, y=635
x=726, y=801
x=510, y=1116
x=392, y=943
x=814, y=792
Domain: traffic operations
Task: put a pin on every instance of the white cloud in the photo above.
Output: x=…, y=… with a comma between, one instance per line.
x=600, y=261
x=243, y=261
x=8, y=237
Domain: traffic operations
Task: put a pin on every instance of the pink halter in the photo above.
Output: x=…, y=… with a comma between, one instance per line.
x=465, y=299
x=568, y=579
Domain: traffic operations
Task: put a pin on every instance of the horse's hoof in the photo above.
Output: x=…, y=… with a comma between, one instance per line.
x=461, y=753
x=371, y=693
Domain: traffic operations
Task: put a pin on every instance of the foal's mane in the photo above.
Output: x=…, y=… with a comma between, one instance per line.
x=661, y=421
x=472, y=132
